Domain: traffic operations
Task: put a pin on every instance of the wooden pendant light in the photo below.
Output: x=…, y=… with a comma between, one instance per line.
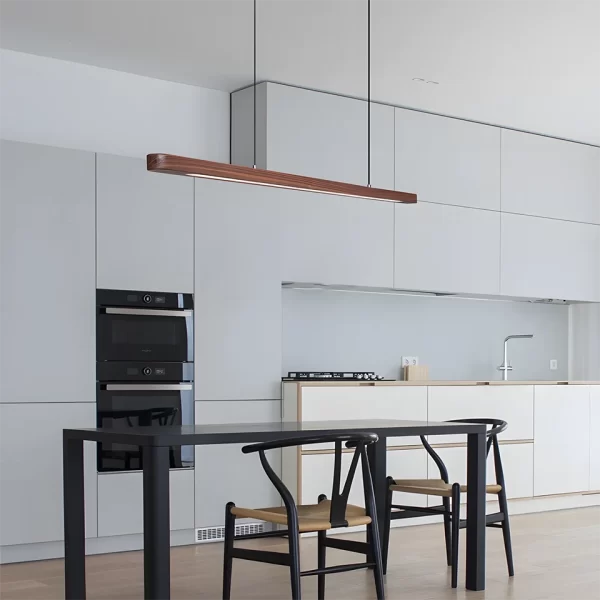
x=193, y=167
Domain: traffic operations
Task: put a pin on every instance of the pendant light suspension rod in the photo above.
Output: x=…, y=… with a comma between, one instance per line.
x=206, y=169
x=254, y=90
x=369, y=93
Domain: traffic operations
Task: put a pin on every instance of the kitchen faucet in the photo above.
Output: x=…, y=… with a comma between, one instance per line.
x=505, y=366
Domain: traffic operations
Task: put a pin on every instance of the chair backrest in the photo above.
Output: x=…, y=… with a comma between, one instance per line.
x=497, y=426
x=340, y=492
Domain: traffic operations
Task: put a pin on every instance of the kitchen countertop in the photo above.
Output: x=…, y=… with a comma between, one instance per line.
x=436, y=382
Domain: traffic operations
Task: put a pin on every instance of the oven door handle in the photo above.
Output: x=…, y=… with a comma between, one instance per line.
x=143, y=387
x=148, y=312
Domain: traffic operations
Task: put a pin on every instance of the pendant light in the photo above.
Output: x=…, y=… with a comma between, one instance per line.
x=206, y=169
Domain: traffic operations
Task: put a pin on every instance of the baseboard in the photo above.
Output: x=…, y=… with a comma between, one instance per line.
x=102, y=545
x=128, y=543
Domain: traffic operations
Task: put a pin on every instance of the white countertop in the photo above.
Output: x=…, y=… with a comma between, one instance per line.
x=437, y=382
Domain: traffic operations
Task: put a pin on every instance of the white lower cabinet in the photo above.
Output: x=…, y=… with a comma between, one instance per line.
x=121, y=506
x=317, y=475
x=562, y=439
x=511, y=403
x=595, y=438
x=517, y=464
x=31, y=466
x=329, y=403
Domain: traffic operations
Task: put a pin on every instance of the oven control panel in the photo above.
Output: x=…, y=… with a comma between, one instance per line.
x=132, y=371
x=143, y=299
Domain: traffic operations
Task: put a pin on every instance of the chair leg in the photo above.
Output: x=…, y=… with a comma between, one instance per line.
x=228, y=547
x=321, y=564
x=447, y=532
x=385, y=545
x=455, y=531
x=294, y=548
x=506, y=532
x=375, y=544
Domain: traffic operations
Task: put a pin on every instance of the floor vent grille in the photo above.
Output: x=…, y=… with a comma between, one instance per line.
x=217, y=534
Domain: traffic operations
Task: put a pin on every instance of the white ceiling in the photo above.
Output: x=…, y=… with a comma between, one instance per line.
x=528, y=64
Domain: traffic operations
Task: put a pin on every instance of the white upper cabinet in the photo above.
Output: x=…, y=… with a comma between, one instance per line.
x=550, y=178
x=446, y=160
x=315, y=134
x=237, y=297
x=145, y=227
x=547, y=258
x=337, y=240
x=447, y=249
x=47, y=264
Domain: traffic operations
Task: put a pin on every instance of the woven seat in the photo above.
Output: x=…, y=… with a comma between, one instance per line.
x=434, y=487
x=311, y=517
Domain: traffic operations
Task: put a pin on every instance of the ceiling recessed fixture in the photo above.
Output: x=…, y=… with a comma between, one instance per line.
x=192, y=167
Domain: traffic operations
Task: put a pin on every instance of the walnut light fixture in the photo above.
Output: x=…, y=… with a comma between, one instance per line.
x=193, y=167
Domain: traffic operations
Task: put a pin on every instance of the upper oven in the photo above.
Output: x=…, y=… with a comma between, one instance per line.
x=144, y=326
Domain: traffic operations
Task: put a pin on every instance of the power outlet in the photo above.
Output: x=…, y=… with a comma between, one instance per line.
x=554, y=365
x=410, y=361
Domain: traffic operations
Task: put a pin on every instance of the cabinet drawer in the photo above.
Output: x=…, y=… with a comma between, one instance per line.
x=513, y=404
x=365, y=402
x=517, y=462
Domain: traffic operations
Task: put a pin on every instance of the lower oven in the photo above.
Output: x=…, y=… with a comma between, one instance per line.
x=121, y=406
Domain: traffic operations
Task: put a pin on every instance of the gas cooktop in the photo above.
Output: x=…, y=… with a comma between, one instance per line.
x=332, y=375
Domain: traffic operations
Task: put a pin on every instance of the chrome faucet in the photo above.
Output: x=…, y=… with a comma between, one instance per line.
x=505, y=366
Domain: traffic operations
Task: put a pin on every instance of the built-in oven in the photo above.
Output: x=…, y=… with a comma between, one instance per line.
x=143, y=394
x=144, y=326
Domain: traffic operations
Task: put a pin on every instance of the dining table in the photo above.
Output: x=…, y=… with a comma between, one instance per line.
x=155, y=441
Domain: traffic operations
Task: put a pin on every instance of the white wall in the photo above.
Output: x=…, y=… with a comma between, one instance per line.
x=59, y=103
x=584, y=342
x=456, y=338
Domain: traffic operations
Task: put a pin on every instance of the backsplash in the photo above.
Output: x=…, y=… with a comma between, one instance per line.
x=456, y=338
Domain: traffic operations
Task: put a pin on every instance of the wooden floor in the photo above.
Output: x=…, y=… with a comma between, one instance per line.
x=557, y=557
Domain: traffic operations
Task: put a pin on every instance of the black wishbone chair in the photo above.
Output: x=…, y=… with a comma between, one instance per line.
x=451, y=492
x=327, y=514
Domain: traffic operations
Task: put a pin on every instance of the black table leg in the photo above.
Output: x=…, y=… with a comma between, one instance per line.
x=157, y=547
x=476, y=459
x=74, y=519
x=377, y=454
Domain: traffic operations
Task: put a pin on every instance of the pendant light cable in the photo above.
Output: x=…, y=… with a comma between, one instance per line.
x=254, y=90
x=369, y=93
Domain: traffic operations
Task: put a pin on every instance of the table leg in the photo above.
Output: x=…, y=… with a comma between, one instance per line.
x=74, y=519
x=377, y=454
x=157, y=547
x=476, y=459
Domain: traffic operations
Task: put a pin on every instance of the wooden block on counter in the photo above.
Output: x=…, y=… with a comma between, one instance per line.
x=416, y=373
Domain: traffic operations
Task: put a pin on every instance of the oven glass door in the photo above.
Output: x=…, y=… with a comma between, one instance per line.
x=122, y=406
x=138, y=334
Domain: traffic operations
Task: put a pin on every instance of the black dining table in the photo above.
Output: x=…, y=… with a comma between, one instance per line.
x=155, y=442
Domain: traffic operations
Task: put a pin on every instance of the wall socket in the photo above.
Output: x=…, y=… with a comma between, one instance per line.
x=553, y=365
x=410, y=361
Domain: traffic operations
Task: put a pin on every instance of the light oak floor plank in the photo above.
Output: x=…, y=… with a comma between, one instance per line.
x=557, y=557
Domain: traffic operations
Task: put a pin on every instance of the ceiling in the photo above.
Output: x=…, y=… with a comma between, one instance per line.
x=528, y=64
